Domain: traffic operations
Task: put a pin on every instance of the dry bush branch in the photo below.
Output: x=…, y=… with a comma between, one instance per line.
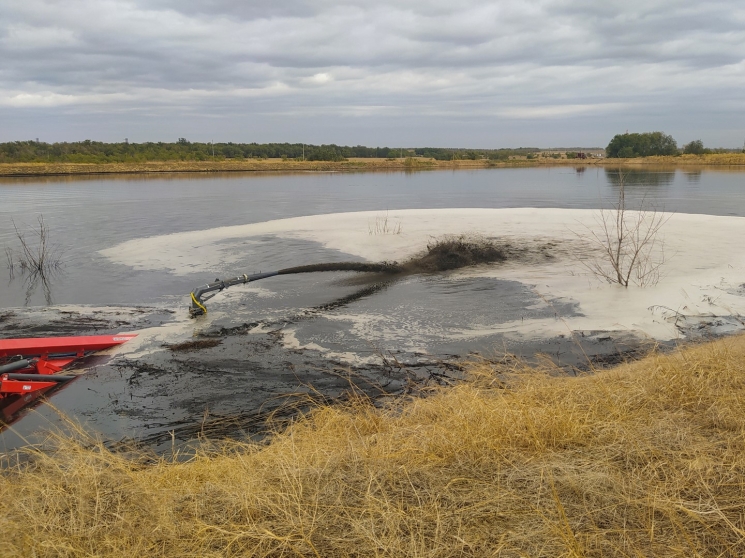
x=632, y=250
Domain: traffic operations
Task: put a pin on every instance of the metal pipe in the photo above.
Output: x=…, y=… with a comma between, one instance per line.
x=17, y=365
x=198, y=308
x=40, y=377
x=52, y=356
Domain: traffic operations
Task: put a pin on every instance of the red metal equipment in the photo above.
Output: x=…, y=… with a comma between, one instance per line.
x=29, y=367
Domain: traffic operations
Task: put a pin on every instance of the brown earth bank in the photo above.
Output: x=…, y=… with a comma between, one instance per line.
x=350, y=165
x=644, y=459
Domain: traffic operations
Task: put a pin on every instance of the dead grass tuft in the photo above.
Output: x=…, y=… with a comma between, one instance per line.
x=383, y=225
x=647, y=459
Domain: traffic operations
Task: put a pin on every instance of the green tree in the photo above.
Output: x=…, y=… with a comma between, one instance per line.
x=641, y=145
x=696, y=147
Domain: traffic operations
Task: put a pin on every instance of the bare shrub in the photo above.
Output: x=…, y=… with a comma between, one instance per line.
x=37, y=257
x=632, y=250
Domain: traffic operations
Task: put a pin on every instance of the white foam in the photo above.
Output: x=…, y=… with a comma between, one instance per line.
x=291, y=342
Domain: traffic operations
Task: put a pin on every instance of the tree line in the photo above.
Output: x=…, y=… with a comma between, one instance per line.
x=626, y=146
x=183, y=150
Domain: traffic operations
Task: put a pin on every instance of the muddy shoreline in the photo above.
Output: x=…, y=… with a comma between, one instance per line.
x=242, y=372
x=243, y=382
x=407, y=323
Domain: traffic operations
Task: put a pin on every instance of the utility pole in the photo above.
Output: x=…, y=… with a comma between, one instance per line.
x=303, y=152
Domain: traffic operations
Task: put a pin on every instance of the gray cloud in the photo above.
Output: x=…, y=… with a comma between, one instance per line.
x=486, y=73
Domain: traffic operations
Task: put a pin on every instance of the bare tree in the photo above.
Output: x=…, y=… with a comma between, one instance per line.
x=632, y=250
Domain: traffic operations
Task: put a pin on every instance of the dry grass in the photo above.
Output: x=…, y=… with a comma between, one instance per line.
x=644, y=460
x=708, y=159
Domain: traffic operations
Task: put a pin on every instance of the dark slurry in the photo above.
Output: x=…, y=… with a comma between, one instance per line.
x=455, y=252
x=194, y=345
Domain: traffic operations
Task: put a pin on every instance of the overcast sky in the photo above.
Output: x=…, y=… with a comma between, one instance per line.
x=465, y=73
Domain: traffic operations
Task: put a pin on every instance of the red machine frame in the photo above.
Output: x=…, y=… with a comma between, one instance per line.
x=32, y=365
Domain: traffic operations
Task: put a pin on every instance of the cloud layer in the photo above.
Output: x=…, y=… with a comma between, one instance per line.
x=408, y=72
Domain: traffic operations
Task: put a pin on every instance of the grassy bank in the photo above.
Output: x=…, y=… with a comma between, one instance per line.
x=240, y=165
x=712, y=159
x=647, y=459
x=351, y=165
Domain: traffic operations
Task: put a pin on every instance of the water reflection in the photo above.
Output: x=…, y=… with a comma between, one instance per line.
x=693, y=176
x=35, y=280
x=183, y=176
x=639, y=177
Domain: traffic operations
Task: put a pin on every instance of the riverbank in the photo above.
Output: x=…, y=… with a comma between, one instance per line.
x=351, y=165
x=242, y=165
x=645, y=459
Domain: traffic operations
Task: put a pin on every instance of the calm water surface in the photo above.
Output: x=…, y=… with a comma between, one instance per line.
x=86, y=215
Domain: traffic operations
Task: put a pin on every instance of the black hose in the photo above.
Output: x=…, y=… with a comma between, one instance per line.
x=383, y=267
x=198, y=297
x=448, y=254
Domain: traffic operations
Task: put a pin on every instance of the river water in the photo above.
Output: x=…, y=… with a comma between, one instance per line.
x=87, y=215
x=297, y=324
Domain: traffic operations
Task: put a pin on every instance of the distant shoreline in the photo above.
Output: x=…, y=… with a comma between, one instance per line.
x=352, y=165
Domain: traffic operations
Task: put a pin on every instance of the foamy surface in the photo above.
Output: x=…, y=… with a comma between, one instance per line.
x=702, y=279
